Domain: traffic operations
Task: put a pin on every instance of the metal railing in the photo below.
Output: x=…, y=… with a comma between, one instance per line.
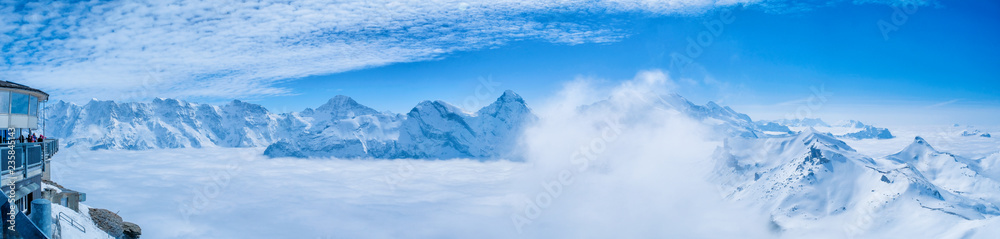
x=28, y=156
x=72, y=222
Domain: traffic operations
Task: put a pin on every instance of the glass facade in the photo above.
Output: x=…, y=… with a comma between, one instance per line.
x=18, y=103
x=4, y=102
x=32, y=105
x=20, y=110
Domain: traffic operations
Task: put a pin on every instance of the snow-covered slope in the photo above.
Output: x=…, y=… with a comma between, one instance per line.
x=435, y=129
x=814, y=176
x=70, y=224
x=722, y=118
x=162, y=123
x=342, y=127
x=991, y=166
x=956, y=174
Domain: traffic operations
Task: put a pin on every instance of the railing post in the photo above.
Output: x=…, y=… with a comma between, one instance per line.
x=41, y=215
x=24, y=161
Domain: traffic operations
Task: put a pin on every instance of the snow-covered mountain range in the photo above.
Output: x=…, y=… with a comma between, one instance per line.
x=814, y=177
x=851, y=129
x=722, y=118
x=162, y=123
x=797, y=171
x=345, y=128
x=437, y=129
x=341, y=127
x=971, y=131
x=433, y=129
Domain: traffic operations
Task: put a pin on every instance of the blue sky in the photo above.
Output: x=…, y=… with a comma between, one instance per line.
x=942, y=60
x=941, y=55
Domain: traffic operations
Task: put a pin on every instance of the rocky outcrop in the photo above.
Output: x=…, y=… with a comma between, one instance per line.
x=131, y=230
x=108, y=221
x=113, y=224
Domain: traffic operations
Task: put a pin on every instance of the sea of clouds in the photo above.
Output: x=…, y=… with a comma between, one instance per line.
x=627, y=168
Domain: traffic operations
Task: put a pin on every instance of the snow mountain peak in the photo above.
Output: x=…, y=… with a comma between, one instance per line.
x=159, y=100
x=920, y=140
x=510, y=96
x=438, y=129
x=248, y=107
x=437, y=106
x=920, y=145
x=509, y=103
x=342, y=106
x=339, y=101
x=813, y=138
x=915, y=151
x=712, y=104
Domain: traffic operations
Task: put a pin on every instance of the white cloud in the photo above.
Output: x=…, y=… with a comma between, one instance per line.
x=636, y=170
x=199, y=48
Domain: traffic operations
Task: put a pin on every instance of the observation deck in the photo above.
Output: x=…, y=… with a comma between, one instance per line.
x=25, y=158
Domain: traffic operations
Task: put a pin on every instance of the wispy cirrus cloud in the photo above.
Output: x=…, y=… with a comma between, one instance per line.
x=135, y=50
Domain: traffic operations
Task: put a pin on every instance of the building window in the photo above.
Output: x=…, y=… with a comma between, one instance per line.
x=18, y=103
x=4, y=102
x=32, y=105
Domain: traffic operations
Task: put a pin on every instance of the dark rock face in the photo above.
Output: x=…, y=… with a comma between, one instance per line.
x=131, y=230
x=283, y=149
x=111, y=223
x=107, y=221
